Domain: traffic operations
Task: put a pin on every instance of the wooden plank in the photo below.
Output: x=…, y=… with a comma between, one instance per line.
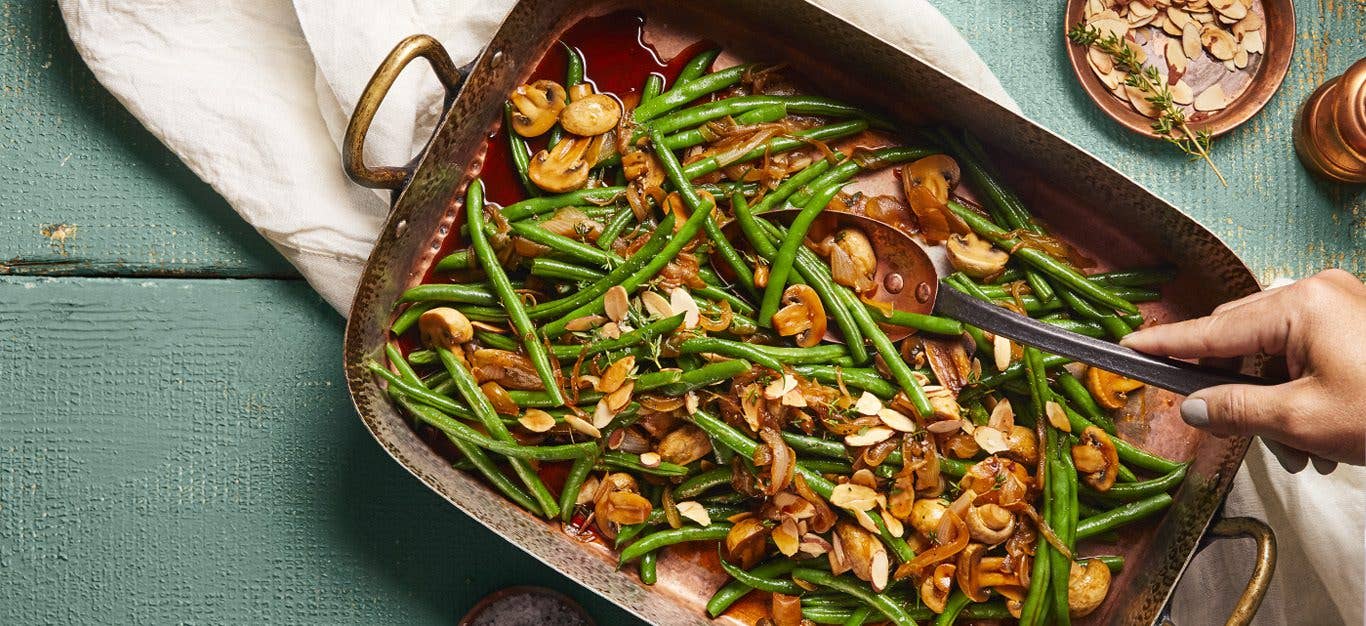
x=85, y=188
x=176, y=450
x=1280, y=220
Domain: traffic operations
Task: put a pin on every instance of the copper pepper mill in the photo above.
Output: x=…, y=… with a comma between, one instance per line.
x=1330, y=134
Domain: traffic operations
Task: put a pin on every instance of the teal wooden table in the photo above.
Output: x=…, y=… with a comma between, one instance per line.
x=176, y=444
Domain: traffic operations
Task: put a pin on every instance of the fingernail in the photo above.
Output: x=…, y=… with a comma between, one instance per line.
x=1195, y=411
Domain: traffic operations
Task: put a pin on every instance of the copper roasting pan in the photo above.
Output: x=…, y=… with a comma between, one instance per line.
x=1095, y=207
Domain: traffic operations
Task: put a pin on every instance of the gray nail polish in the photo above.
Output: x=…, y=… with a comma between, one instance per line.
x=1196, y=412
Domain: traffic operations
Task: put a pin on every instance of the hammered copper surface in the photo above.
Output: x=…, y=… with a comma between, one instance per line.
x=1265, y=76
x=1084, y=200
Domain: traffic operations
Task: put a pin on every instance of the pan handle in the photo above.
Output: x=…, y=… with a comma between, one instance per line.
x=1262, y=566
x=353, y=143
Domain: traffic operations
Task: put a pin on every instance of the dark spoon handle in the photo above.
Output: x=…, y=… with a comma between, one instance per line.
x=1178, y=376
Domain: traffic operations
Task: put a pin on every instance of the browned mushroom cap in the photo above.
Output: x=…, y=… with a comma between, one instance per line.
x=926, y=514
x=1087, y=585
x=590, y=115
x=934, y=591
x=536, y=107
x=564, y=167
x=990, y=524
x=1096, y=459
x=803, y=316
x=444, y=327
x=1110, y=389
x=975, y=256
x=938, y=173
x=852, y=260
x=864, y=552
x=1023, y=445
x=684, y=444
x=745, y=543
x=967, y=568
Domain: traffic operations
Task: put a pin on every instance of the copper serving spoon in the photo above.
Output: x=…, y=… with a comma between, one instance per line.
x=909, y=281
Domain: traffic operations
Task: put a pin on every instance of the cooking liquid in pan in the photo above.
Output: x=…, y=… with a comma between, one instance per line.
x=618, y=56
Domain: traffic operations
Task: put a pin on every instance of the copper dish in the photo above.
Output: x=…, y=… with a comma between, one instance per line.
x=1106, y=214
x=1266, y=73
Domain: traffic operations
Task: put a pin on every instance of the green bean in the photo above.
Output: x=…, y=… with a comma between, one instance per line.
x=623, y=218
x=461, y=293
x=683, y=93
x=497, y=431
x=547, y=267
x=1090, y=329
x=744, y=277
x=701, y=483
x=409, y=316
x=732, y=591
x=644, y=382
x=1080, y=398
x=1059, y=520
x=792, y=185
x=798, y=105
x=1120, y=516
x=837, y=615
x=670, y=537
x=421, y=394
x=771, y=585
x=648, y=568
x=1041, y=261
x=1132, y=294
x=535, y=206
x=476, y=456
x=717, y=294
x=787, y=253
x=567, y=307
x=1017, y=369
x=1115, y=563
x=511, y=450
x=521, y=155
x=622, y=460
x=572, y=248
x=847, y=169
x=573, y=482
x=1112, y=324
x=1128, y=453
x=1129, y=492
x=1134, y=278
x=697, y=66
x=859, y=616
x=961, y=282
x=933, y=324
x=885, y=605
x=654, y=83
x=573, y=76
x=733, y=349
x=512, y=302
x=1040, y=285
x=955, y=605
x=697, y=136
x=708, y=374
x=865, y=379
x=777, y=145
x=458, y=260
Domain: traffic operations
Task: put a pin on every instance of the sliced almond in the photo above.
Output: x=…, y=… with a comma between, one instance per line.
x=1176, y=57
x=1057, y=416
x=602, y=414
x=945, y=426
x=1181, y=93
x=587, y=491
x=1212, y=99
x=780, y=387
x=1240, y=58
x=869, y=436
x=1178, y=18
x=1139, y=99
x=1232, y=9
x=1190, y=41
x=1100, y=62
x=617, y=400
x=1002, y=416
x=868, y=404
x=1223, y=46
x=616, y=302
x=896, y=420
x=650, y=459
x=1139, y=11
x=587, y=322
x=853, y=497
x=579, y=425
x=655, y=305
x=610, y=330
x=1092, y=8
x=681, y=302
x=1253, y=44
x=536, y=421
x=694, y=511
x=990, y=439
x=1116, y=26
x=1252, y=23
x=1001, y=350
x=879, y=571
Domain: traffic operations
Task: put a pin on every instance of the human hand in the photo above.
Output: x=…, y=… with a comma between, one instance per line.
x=1317, y=324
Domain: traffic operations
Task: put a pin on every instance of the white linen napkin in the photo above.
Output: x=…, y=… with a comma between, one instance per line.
x=253, y=96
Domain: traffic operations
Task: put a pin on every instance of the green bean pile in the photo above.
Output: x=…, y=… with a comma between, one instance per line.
x=681, y=382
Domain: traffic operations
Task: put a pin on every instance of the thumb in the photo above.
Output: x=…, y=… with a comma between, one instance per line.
x=1241, y=410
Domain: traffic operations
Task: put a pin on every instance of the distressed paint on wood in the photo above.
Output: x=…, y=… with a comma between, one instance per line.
x=178, y=451
x=73, y=161
x=1280, y=220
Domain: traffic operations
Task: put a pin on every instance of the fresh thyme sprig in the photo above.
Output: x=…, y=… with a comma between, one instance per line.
x=1170, y=123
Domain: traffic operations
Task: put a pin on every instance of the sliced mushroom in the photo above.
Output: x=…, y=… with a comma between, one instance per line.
x=968, y=568
x=1087, y=586
x=990, y=524
x=861, y=550
x=1096, y=459
x=564, y=167
x=444, y=327
x=938, y=173
x=975, y=256
x=1022, y=445
x=684, y=444
x=1109, y=388
x=746, y=542
x=802, y=316
x=591, y=115
x=536, y=107
x=614, y=502
x=934, y=591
